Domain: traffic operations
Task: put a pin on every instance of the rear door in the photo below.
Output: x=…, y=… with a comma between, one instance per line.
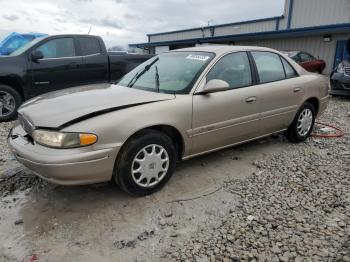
x=280, y=91
x=58, y=69
x=95, y=67
x=224, y=118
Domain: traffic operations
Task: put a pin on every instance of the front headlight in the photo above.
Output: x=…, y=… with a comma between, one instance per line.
x=62, y=139
x=340, y=68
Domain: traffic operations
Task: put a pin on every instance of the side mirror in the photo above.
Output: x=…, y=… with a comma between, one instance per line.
x=215, y=85
x=36, y=55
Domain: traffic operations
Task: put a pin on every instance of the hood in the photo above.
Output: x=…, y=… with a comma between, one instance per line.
x=59, y=109
x=6, y=58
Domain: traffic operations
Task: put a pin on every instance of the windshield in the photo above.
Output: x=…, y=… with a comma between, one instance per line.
x=26, y=46
x=173, y=72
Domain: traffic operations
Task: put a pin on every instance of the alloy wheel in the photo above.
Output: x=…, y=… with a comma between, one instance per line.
x=7, y=104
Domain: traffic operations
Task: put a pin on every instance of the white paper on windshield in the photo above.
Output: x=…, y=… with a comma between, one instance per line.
x=198, y=57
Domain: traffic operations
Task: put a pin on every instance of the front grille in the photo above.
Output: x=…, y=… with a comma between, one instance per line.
x=346, y=86
x=347, y=71
x=26, y=125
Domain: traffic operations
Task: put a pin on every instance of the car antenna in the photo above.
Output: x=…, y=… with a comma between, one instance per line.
x=89, y=30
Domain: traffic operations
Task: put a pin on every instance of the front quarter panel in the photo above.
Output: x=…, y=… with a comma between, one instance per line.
x=115, y=128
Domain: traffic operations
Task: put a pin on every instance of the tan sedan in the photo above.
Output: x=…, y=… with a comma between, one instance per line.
x=177, y=105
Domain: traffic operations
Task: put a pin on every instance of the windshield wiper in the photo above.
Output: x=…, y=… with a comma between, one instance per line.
x=139, y=74
x=157, y=79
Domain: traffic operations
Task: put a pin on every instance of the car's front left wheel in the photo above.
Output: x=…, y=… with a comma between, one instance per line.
x=145, y=163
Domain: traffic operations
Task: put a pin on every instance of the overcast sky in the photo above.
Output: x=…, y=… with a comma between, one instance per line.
x=121, y=22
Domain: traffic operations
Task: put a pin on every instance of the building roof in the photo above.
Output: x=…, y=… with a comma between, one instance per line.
x=297, y=32
x=220, y=25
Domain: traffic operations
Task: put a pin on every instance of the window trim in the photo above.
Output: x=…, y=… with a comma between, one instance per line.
x=257, y=73
x=252, y=71
x=56, y=38
x=68, y=57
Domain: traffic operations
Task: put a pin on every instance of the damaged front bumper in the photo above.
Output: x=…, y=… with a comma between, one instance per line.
x=340, y=84
x=76, y=166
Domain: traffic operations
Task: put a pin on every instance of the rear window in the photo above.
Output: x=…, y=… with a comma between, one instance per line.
x=89, y=45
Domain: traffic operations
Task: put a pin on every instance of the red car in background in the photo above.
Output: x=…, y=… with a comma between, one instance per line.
x=307, y=61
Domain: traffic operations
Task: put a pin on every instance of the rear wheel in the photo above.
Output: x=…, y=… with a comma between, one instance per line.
x=10, y=100
x=146, y=163
x=302, y=125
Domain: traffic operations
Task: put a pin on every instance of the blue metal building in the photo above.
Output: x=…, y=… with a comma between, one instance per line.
x=320, y=27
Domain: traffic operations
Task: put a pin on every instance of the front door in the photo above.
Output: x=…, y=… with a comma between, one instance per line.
x=58, y=69
x=228, y=117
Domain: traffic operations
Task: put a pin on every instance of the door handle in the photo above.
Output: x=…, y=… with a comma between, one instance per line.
x=73, y=65
x=250, y=100
x=297, y=89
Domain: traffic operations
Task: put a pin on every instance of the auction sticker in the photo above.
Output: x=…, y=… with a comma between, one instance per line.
x=198, y=57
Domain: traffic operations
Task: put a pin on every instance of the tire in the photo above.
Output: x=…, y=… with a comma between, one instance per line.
x=132, y=154
x=12, y=100
x=297, y=134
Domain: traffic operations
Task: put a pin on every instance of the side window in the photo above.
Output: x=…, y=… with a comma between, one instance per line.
x=234, y=69
x=304, y=57
x=89, y=45
x=269, y=66
x=290, y=72
x=56, y=48
x=296, y=58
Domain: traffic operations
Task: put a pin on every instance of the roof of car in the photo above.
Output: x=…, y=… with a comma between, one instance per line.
x=289, y=52
x=220, y=49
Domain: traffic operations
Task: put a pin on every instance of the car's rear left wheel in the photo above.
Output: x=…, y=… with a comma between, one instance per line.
x=303, y=123
x=145, y=163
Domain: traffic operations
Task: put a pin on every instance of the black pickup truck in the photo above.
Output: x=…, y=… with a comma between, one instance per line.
x=55, y=62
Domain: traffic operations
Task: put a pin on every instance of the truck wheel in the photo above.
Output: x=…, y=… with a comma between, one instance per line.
x=145, y=163
x=302, y=125
x=10, y=100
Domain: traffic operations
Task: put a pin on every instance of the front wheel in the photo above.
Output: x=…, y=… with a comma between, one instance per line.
x=303, y=124
x=10, y=100
x=146, y=163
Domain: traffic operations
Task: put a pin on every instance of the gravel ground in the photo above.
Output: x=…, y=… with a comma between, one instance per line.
x=12, y=175
x=296, y=207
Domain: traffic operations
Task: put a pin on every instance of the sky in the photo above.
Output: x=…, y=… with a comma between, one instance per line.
x=123, y=22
